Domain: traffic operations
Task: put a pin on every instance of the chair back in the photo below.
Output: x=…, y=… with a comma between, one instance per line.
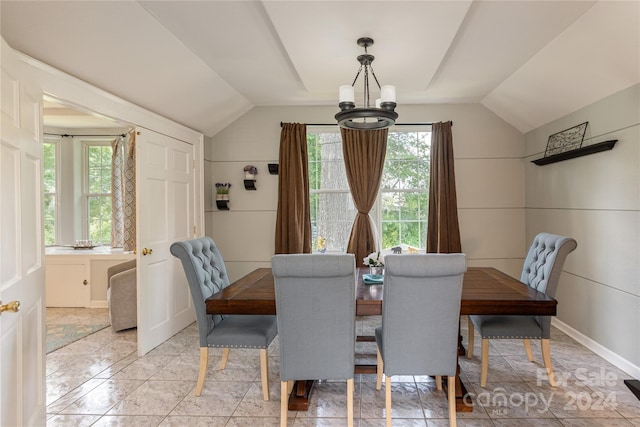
x=544, y=261
x=206, y=275
x=316, y=308
x=542, y=268
x=420, y=313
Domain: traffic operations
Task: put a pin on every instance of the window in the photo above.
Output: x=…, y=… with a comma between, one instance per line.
x=400, y=212
x=98, y=192
x=50, y=149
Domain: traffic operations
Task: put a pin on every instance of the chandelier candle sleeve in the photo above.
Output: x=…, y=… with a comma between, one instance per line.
x=388, y=93
x=347, y=93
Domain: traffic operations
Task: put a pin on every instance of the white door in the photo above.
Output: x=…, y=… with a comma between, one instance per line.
x=22, y=369
x=165, y=186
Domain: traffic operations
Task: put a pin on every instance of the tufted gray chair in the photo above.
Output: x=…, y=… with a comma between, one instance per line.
x=541, y=271
x=420, y=316
x=316, y=306
x=206, y=275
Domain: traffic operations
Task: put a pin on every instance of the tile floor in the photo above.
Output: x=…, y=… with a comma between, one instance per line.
x=100, y=381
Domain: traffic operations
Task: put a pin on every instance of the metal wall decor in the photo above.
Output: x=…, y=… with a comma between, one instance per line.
x=566, y=140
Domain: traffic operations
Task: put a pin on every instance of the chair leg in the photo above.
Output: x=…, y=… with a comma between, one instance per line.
x=439, y=382
x=451, y=385
x=204, y=360
x=546, y=357
x=387, y=400
x=264, y=373
x=350, y=402
x=225, y=357
x=527, y=347
x=379, y=370
x=284, y=403
x=470, y=338
x=484, y=362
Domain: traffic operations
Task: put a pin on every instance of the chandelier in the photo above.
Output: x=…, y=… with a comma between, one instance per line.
x=382, y=115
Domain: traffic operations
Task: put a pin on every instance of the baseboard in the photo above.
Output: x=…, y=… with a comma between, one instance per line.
x=99, y=304
x=608, y=355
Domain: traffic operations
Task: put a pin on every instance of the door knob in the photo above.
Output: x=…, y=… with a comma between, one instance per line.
x=13, y=306
x=147, y=251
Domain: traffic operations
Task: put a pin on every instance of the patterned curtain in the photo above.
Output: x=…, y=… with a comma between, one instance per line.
x=123, y=193
x=117, y=212
x=130, y=194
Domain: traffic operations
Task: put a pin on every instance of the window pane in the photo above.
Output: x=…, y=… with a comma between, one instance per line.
x=331, y=220
x=49, y=219
x=100, y=219
x=50, y=175
x=99, y=189
x=326, y=167
x=49, y=161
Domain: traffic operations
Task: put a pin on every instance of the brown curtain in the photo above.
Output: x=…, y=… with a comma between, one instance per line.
x=443, y=231
x=293, y=218
x=364, y=152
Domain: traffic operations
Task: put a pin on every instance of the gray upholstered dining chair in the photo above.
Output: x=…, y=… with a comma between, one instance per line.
x=206, y=275
x=316, y=311
x=420, y=315
x=541, y=271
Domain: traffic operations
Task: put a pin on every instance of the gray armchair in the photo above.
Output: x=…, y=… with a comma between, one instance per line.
x=420, y=315
x=122, y=295
x=541, y=271
x=316, y=306
x=206, y=275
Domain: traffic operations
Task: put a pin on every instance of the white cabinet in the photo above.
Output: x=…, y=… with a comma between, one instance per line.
x=79, y=278
x=67, y=285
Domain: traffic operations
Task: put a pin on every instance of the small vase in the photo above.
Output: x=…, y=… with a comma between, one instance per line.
x=248, y=175
x=376, y=271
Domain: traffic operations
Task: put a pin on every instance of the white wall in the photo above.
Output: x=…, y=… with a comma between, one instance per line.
x=489, y=168
x=596, y=200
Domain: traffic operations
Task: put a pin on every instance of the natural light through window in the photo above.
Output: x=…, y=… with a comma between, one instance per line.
x=98, y=193
x=50, y=191
x=400, y=212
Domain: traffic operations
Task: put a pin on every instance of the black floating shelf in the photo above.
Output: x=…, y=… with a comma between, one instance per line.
x=222, y=205
x=273, y=168
x=250, y=184
x=578, y=152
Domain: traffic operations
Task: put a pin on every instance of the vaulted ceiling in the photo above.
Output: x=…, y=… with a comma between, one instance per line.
x=205, y=63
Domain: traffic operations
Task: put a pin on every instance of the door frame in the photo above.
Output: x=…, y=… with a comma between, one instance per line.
x=84, y=96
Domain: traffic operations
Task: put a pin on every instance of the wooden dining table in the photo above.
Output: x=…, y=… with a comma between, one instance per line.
x=485, y=290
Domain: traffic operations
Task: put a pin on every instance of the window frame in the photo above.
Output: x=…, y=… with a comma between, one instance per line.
x=376, y=212
x=86, y=144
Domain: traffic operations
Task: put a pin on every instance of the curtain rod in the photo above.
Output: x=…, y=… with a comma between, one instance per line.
x=397, y=124
x=65, y=135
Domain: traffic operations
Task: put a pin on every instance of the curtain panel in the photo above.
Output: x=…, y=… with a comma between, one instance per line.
x=123, y=193
x=443, y=230
x=364, y=152
x=117, y=211
x=129, y=190
x=293, y=217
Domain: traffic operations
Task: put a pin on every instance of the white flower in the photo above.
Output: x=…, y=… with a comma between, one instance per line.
x=374, y=259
